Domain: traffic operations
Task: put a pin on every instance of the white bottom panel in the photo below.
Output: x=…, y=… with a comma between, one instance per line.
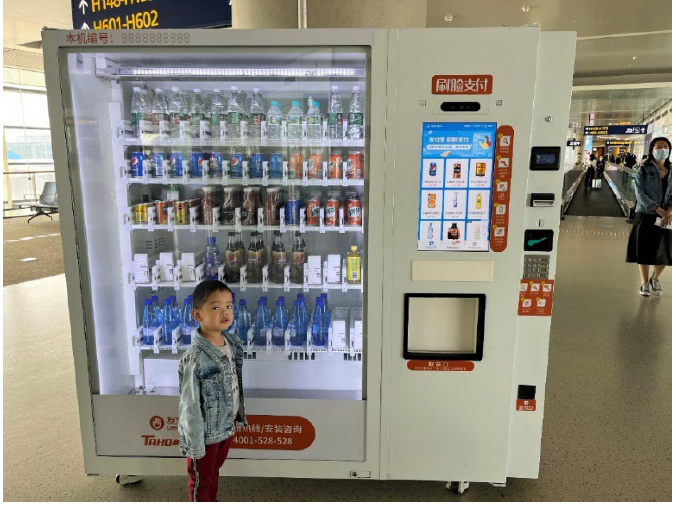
x=148, y=426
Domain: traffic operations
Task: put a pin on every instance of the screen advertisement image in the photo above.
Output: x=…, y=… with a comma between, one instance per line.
x=456, y=177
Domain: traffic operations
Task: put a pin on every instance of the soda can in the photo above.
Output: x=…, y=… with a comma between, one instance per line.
x=296, y=165
x=315, y=166
x=352, y=210
x=137, y=164
x=355, y=165
x=331, y=210
x=276, y=166
x=177, y=164
x=256, y=166
x=336, y=166
x=215, y=165
x=140, y=213
x=312, y=210
x=196, y=160
x=236, y=165
x=292, y=212
x=181, y=212
x=158, y=162
x=162, y=211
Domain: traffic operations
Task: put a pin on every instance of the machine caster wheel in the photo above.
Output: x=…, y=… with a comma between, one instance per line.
x=457, y=487
x=125, y=480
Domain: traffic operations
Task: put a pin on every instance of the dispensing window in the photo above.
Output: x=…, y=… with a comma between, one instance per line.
x=444, y=326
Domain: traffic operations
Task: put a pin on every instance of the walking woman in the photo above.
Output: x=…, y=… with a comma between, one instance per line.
x=589, y=176
x=650, y=239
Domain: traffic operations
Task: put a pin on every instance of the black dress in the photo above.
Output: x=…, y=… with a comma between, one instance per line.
x=650, y=244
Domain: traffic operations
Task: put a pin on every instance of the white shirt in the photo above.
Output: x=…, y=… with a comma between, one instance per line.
x=233, y=383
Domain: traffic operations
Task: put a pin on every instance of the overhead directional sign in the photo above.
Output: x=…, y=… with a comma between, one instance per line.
x=616, y=130
x=574, y=143
x=618, y=143
x=140, y=14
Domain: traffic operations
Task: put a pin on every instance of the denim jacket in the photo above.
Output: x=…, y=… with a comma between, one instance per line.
x=205, y=403
x=649, y=189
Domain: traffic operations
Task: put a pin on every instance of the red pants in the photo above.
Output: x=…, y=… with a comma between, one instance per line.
x=203, y=472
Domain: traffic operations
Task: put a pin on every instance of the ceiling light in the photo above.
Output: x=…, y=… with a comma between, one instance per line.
x=525, y=8
x=634, y=58
x=448, y=17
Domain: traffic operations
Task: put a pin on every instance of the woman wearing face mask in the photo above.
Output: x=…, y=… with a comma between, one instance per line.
x=650, y=240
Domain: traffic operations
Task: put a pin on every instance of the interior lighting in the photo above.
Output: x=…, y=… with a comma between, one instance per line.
x=525, y=8
x=240, y=72
x=448, y=17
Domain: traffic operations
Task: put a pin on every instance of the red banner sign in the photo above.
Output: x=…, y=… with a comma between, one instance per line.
x=281, y=433
x=462, y=84
x=439, y=366
x=536, y=297
x=525, y=405
x=502, y=182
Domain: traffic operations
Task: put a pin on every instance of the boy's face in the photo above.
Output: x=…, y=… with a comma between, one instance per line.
x=216, y=314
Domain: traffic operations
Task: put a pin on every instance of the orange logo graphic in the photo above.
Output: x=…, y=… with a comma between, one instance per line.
x=156, y=423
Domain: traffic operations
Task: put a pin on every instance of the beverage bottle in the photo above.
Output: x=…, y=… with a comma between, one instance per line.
x=160, y=114
x=294, y=122
x=256, y=113
x=274, y=121
x=148, y=323
x=278, y=262
x=478, y=201
x=354, y=266
x=335, y=125
x=318, y=323
x=212, y=260
x=253, y=267
x=217, y=115
x=430, y=232
x=279, y=323
x=261, y=323
x=233, y=112
x=232, y=264
x=355, y=117
x=197, y=111
x=167, y=322
x=243, y=321
x=298, y=259
x=241, y=251
x=186, y=322
x=157, y=310
x=241, y=98
x=305, y=316
x=326, y=317
x=178, y=113
x=175, y=311
x=262, y=255
x=314, y=122
x=140, y=109
x=297, y=336
x=455, y=199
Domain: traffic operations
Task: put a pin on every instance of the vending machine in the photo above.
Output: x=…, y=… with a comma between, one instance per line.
x=380, y=205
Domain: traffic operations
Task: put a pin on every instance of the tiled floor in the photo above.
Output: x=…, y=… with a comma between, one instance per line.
x=607, y=433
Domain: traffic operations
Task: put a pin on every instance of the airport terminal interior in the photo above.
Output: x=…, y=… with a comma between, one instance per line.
x=607, y=425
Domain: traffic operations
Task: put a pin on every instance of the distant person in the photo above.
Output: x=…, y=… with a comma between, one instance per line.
x=591, y=167
x=630, y=161
x=600, y=167
x=650, y=240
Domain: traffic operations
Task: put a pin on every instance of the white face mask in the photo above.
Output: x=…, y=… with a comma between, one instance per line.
x=661, y=154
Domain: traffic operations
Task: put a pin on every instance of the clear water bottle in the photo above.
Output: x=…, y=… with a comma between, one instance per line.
x=297, y=332
x=274, y=121
x=314, y=122
x=148, y=323
x=261, y=323
x=294, y=122
x=355, y=117
x=212, y=260
x=157, y=310
x=279, y=323
x=335, y=125
x=244, y=105
x=175, y=311
x=197, y=111
x=327, y=317
x=217, y=114
x=186, y=322
x=318, y=323
x=178, y=113
x=305, y=315
x=167, y=322
x=234, y=114
x=243, y=321
x=256, y=113
x=140, y=111
x=160, y=113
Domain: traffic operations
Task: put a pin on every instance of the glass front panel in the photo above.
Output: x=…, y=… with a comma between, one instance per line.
x=246, y=165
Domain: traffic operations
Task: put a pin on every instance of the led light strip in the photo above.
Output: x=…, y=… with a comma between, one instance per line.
x=240, y=72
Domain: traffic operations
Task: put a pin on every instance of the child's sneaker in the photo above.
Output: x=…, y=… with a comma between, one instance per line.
x=656, y=286
x=644, y=290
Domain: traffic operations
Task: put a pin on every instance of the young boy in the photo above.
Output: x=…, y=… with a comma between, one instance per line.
x=210, y=389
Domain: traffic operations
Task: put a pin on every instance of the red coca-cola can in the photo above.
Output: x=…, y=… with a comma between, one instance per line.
x=355, y=165
x=336, y=166
x=352, y=210
x=315, y=166
x=296, y=165
x=314, y=204
x=331, y=210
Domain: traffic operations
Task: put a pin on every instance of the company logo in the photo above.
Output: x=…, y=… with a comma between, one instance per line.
x=156, y=423
x=163, y=442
